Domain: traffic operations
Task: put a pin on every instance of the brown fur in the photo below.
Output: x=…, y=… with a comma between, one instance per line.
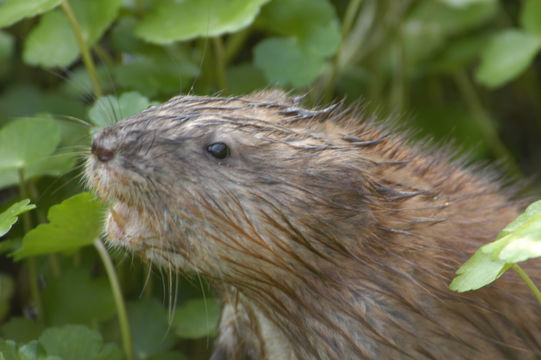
x=328, y=238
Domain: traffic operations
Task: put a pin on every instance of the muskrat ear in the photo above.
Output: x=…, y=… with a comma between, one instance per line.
x=274, y=96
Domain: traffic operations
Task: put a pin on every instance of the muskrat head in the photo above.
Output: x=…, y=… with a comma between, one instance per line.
x=202, y=182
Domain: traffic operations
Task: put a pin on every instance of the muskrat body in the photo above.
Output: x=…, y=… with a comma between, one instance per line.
x=327, y=237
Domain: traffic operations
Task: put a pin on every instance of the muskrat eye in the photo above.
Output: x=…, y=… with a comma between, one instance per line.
x=219, y=150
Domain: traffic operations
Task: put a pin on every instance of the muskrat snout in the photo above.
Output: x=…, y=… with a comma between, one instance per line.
x=102, y=152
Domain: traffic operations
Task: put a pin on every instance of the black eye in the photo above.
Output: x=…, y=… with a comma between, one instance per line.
x=219, y=150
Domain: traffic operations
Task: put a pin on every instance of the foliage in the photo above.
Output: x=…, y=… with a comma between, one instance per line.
x=461, y=69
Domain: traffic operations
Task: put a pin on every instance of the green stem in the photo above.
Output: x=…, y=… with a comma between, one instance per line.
x=349, y=17
x=119, y=300
x=234, y=44
x=528, y=281
x=31, y=262
x=484, y=122
x=220, y=63
x=85, y=52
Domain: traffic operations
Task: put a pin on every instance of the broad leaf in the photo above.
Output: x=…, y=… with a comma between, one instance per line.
x=12, y=11
x=75, y=222
x=173, y=20
x=196, y=318
x=42, y=47
x=508, y=54
x=530, y=16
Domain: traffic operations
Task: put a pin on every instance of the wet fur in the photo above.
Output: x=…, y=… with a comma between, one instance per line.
x=327, y=237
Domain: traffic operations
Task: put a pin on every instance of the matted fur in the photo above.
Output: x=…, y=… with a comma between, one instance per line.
x=327, y=237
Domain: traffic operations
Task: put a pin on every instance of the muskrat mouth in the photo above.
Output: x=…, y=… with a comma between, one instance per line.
x=123, y=224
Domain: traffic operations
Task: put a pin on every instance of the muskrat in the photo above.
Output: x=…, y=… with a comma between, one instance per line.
x=327, y=237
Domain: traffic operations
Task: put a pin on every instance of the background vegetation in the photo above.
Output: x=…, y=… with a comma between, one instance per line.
x=461, y=70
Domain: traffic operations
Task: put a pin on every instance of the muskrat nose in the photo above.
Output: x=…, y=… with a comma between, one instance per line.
x=102, y=153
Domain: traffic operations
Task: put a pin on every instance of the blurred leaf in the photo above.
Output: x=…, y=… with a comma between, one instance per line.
x=8, y=350
x=518, y=241
x=313, y=35
x=76, y=342
x=464, y=3
x=284, y=63
x=12, y=11
x=42, y=46
x=530, y=16
x=75, y=222
x=197, y=318
x=508, y=54
x=21, y=329
x=6, y=46
x=150, y=330
x=90, y=299
x=244, y=78
x=24, y=100
x=109, y=110
x=459, y=53
x=174, y=20
x=9, y=217
x=151, y=76
x=29, y=144
x=24, y=141
x=429, y=25
x=167, y=355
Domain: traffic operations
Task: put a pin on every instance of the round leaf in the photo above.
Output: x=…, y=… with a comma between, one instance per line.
x=12, y=11
x=530, y=16
x=509, y=53
x=285, y=63
x=75, y=222
x=108, y=109
x=23, y=141
x=43, y=47
x=196, y=318
x=173, y=20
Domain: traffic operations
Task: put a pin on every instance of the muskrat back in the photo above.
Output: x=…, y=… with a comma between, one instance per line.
x=326, y=237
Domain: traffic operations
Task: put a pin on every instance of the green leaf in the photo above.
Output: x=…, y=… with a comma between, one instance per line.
x=521, y=239
x=108, y=109
x=197, y=318
x=478, y=271
x=508, y=54
x=313, y=34
x=6, y=46
x=90, y=299
x=21, y=329
x=284, y=63
x=153, y=76
x=173, y=20
x=74, y=342
x=9, y=217
x=464, y=3
x=42, y=46
x=75, y=222
x=12, y=11
x=518, y=241
x=149, y=328
x=530, y=16
x=26, y=140
x=244, y=78
x=8, y=350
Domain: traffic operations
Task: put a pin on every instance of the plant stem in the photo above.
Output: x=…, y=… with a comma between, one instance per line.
x=234, y=44
x=349, y=17
x=528, y=282
x=119, y=300
x=85, y=53
x=31, y=262
x=220, y=63
x=484, y=123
